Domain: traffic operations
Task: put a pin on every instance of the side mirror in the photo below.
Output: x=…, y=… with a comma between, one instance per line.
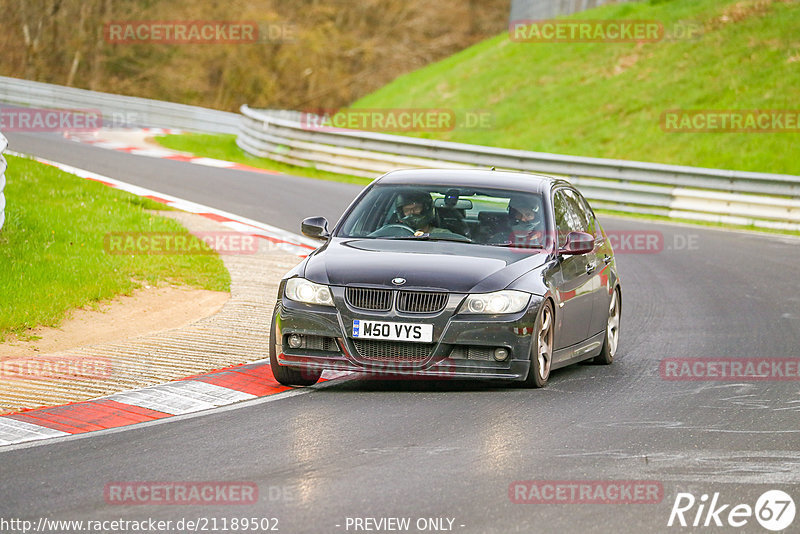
x=578, y=243
x=316, y=227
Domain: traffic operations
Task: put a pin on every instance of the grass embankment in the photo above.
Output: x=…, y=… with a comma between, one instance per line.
x=52, y=256
x=606, y=99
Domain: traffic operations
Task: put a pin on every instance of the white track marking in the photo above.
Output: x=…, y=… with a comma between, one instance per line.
x=13, y=431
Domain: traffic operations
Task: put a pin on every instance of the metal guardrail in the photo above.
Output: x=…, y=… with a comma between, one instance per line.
x=126, y=111
x=714, y=195
x=546, y=9
x=3, y=167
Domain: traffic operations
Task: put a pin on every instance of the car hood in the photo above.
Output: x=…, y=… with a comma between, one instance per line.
x=443, y=265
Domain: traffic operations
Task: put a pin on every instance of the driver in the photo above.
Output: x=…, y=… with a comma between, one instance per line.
x=415, y=213
x=415, y=210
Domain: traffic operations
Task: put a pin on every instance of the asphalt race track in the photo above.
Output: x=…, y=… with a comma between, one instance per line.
x=361, y=448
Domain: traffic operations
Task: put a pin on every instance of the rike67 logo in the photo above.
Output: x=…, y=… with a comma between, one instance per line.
x=774, y=510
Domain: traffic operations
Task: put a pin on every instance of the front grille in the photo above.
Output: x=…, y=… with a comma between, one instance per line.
x=392, y=351
x=369, y=299
x=464, y=352
x=421, y=301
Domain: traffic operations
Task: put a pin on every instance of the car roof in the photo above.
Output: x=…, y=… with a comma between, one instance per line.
x=517, y=181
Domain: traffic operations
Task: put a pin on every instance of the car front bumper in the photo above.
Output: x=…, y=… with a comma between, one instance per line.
x=463, y=346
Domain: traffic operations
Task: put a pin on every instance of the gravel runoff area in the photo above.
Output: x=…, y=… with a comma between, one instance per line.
x=237, y=333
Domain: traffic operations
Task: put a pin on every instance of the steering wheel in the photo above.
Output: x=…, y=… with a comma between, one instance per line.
x=393, y=230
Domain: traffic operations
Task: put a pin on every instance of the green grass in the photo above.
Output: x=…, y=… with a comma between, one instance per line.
x=52, y=256
x=223, y=146
x=606, y=99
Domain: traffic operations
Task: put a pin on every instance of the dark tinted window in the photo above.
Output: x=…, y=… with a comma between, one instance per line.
x=568, y=215
x=581, y=211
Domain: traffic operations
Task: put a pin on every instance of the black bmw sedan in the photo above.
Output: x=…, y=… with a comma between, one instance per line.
x=467, y=274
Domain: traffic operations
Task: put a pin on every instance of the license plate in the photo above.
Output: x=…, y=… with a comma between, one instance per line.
x=422, y=333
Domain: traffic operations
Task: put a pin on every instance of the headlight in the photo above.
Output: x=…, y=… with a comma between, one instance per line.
x=506, y=301
x=301, y=290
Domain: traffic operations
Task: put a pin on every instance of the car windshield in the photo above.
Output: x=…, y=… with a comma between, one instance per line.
x=484, y=216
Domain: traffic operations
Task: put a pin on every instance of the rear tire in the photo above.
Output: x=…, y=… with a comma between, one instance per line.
x=611, y=341
x=541, y=348
x=288, y=376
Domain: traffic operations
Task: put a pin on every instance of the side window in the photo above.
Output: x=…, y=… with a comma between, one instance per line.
x=589, y=214
x=566, y=220
x=582, y=212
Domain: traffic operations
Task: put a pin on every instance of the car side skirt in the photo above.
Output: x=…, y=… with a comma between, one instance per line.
x=579, y=352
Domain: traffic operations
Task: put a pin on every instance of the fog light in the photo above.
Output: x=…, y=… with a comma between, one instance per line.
x=295, y=341
x=500, y=354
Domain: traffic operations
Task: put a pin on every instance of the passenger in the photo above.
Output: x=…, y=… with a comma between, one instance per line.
x=523, y=226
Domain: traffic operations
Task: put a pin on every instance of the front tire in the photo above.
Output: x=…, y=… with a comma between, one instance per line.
x=541, y=348
x=611, y=341
x=288, y=376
